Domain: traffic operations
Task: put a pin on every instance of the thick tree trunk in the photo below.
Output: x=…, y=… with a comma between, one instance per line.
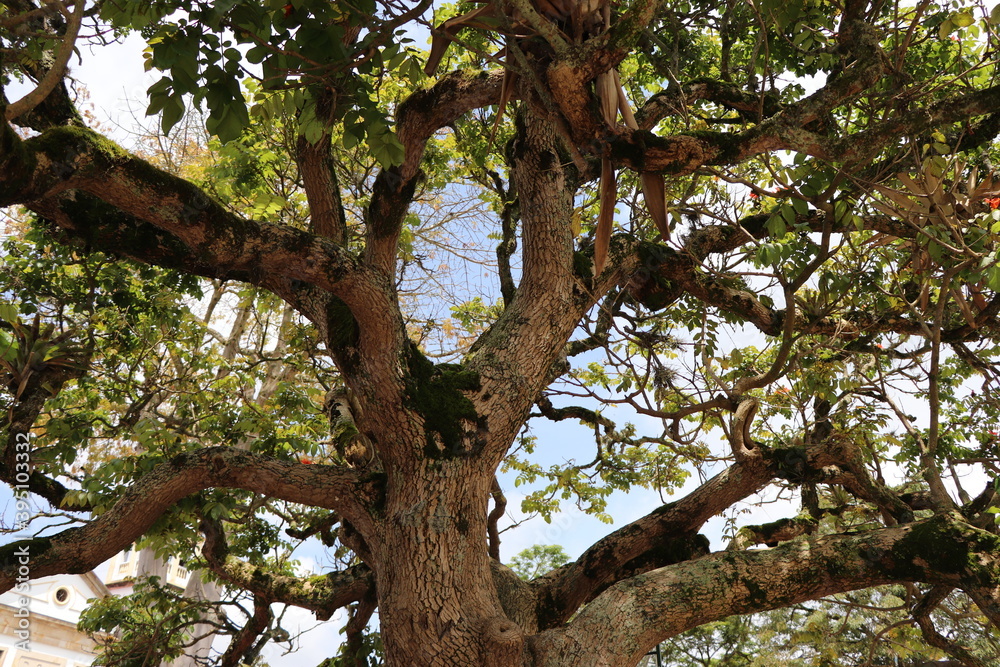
x=437, y=602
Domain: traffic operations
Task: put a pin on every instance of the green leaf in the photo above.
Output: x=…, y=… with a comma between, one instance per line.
x=947, y=27
x=352, y=136
x=776, y=225
x=8, y=312
x=993, y=278
x=788, y=214
x=963, y=19
x=8, y=348
x=257, y=54
x=173, y=111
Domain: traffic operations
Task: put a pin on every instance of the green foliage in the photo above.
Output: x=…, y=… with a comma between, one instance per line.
x=142, y=628
x=868, y=626
x=283, y=51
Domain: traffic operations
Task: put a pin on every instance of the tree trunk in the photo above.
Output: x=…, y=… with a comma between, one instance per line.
x=437, y=602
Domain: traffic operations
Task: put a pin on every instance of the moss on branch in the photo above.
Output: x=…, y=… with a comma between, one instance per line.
x=435, y=392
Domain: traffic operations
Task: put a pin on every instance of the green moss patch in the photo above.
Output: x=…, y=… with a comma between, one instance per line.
x=435, y=392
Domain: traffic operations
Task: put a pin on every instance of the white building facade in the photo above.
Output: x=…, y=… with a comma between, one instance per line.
x=38, y=628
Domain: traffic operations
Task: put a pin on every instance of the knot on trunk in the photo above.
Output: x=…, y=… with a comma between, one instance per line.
x=503, y=641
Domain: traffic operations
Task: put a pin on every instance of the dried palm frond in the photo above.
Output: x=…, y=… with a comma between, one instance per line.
x=607, y=95
x=654, y=189
x=506, y=90
x=605, y=218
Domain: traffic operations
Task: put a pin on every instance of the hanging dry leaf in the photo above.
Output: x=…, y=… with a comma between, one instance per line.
x=654, y=191
x=605, y=219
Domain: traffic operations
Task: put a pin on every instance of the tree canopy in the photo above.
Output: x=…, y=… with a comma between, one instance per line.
x=752, y=247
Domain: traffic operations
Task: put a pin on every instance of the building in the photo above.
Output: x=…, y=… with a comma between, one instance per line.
x=129, y=565
x=54, y=605
x=49, y=612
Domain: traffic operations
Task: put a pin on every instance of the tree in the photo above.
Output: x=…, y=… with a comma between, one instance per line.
x=825, y=307
x=536, y=560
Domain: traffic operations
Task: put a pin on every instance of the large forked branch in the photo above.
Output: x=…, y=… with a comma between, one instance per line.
x=684, y=153
x=515, y=356
x=668, y=274
x=786, y=129
x=955, y=109
x=419, y=117
x=114, y=201
x=81, y=549
x=628, y=619
x=62, y=159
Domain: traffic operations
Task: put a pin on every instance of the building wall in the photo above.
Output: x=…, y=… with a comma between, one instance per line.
x=128, y=565
x=54, y=605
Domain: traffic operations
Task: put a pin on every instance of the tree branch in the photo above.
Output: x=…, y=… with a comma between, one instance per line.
x=55, y=73
x=499, y=507
x=628, y=619
x=755, y=107
x=862, y=146
x=319, y=179
x=922, y=615
x=421, y=115
x=323, y=594
x=134, y=209
x=646, y=543
x=243, y=641
x=77, y=550
x=21, y=418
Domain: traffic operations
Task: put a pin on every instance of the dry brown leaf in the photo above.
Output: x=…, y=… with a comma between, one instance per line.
x=963, y=305
x=885, y=208
x=911, y=184
x=623, y=105
x=907, y=205
x=607, y=96
x=506, y=90
x=985, y=188
x=880, y=239
x=976, y=292
x=654, y=191
x=970, y=183
x=605, y=219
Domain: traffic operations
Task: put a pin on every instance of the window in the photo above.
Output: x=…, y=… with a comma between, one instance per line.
x=127, y=555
